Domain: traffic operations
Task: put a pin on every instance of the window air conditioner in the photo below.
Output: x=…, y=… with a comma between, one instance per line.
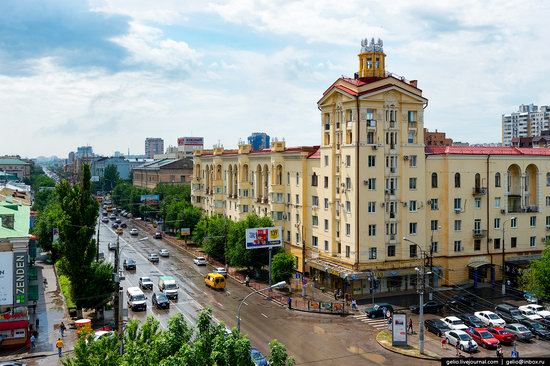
x=503, y=211
x=365, y=182
x=405, y=157
x=429, y=202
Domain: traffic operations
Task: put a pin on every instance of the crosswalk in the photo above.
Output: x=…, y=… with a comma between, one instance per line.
x=377, y=323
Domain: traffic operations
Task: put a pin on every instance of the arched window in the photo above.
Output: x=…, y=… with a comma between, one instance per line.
x=497, y=180
x=547, y=179
x=434, y=180
x=314, y=180
x=297, y=178
x=288, y=178
x=477, y=181
x=457, y=180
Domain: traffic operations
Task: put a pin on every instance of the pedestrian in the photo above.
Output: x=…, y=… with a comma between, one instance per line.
x=62, y=329
x=33, y=341
x=443, y=342
x=59, y=345
x=45, y=283
x=353, y=304
x=340, y=294
x=247, y=281
x=470, y=345
x=410, y=327
x=289, y=301
x=457, y=347
x=499, y=351
x=335, y=294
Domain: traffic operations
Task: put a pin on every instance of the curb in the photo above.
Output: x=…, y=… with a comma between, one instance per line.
x=392, y=349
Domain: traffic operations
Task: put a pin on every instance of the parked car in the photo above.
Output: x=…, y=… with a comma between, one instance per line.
x=431, y=306
x=164, y=253
x=539, y=309
x=483, y=337
x=436, y=326
x=467, y=301
x=200, y=261
x=114, y=225
x=157, y=235
x=118, y=221
x=465, y=342
x=112, y=217
x=528, y=313
x=133, y=231
x=378, y=310
x=129, y=264
x=160, y=301
x=100, y=334
x=153, y=257
x=503, y=336
x=489, y=318
x=258, y=358
x=101, y=256
x=105, y=220
x=520, y=331
x=471, y=320
x=454, y=323
x=509, y=313
x=104, y=213
x=220, y=270
x=530, y=297
x=12, y=363
x=124, y=225
x=538, y=330
x=146, y=283
x=111, y=246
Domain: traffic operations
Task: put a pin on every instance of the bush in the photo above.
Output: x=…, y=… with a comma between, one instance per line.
x=65, y=285
x=282, y=267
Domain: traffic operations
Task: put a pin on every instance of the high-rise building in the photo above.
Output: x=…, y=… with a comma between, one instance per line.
x=153, y=145
x=84, y=152
x=529, y=121
x=259, y=141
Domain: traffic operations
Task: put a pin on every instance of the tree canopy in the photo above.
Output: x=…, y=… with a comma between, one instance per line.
x=536, y=279
x=282, y=266
x=110, y=177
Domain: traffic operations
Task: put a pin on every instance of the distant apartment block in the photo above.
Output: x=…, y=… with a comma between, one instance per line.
x=529, y=121
x=436, y=138
x=259, y=141
x=153, y=145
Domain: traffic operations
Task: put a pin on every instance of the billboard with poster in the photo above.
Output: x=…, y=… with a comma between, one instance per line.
x=6, y=278
x=150, y=199
x=264, y=237
x=399, y=329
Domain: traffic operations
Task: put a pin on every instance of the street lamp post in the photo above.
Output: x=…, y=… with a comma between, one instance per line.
x=431, y=261
x=504, y=255
x=277, y=285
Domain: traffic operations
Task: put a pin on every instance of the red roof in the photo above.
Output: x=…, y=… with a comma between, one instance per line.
x=311, y=149
x=315, y=155
x=482, y=150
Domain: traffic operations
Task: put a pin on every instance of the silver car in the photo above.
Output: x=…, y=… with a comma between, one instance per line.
x=521, y=332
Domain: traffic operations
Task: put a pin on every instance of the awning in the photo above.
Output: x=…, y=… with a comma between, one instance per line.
x=523, y=259
x=17, y=324
x=478, y=264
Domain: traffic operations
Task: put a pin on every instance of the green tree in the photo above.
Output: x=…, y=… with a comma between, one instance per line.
x=282, y=266
x=201, y=230
x=181, y=191
x=214, y=243
x=110, y=177
x=536, y=279
x=50, y=217
x=43, y=198
x=40, y=181
x=278, y=355
x=99, y=286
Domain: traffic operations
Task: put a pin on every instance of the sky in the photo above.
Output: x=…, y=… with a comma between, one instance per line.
x=109, y=73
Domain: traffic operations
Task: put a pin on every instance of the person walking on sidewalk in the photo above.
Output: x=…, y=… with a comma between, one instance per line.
x=62, y=329
x=247, y=281
x=59, y=346
x=289, y=302
x=353, y=304
x=443, y=342
x=457, y=347
x=33, y=341
x=410, y=327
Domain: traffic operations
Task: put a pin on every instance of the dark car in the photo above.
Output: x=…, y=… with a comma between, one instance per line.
x=124, y=225
x=129, y=264
x=471, y=320
x=431, y=306
x=436, y=326
x=258, y=358
x=538, y=330
x=160, y=301
x=157, y=235
x=378, y=310
x=464, y=301
x=118, y=221
x=114, y=225
x=509, y=313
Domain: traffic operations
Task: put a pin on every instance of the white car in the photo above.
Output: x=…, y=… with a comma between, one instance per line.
x=489, y=318
x=164, y=253
x=103, y=334
x=454, y=323
x=220, y=270
x=111, y=246
x=466, y=343
x=527, y=312
x=200, y=261
x=133, y=232
x=539, y=309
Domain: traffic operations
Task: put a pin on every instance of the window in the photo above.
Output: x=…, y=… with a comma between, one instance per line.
x=411, y=116
x=458, y=246
x=497, y=202
x=533, y=221
x=391, y=250
x=314, y=180
x=297, y=199
x=245, y=208
x=348, y=251
x=348, y=229
x=372, y=230
x=434, y=225
x=477, y=244
x=513, y=242
x=458, y=225
x=326, y=245
x=457, y=180
x=496, y=242
x=547, y=179
x=412, y=250
x=547, y=200
x=326, y=225
x=372, y=253
x=497, y=180
x=371, y=160
x=533, y=241
x=314, y=241
x=297, y=238
x=288, y=197
x=435, y=246
x=410, y=137
x=434, y=180
x=297, y=179
x=326, y=203
x=288, y=216
x=412, y=228
x=315, y=201
x=315, y=220
x=348, y=183
x=412, y=206
x=412, y=183
x=477, y=203
x=326, y=182
x=348, y=206
x=288, y=178
x=458, y=204
x=288, y=235
x=434, y=204
x=280, y=198
x=326, y=160
x=514, y=222
x=371, y=184
x=412, y=161
x=297, y=218
x=497, y=223
x=372, y=207
x=348, y=160
x=547, y=222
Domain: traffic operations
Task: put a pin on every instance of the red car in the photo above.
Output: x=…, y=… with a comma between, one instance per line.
x=502, y=335
x=483, y=337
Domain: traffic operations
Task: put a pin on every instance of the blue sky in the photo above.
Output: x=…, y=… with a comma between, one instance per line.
x=111, y=73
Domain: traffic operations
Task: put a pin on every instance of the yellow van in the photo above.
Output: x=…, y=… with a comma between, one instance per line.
x=215, y=280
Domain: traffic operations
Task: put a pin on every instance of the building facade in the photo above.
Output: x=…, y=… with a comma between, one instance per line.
x=436, y=138
x=123, y=165
x=259, y=141
x=373, y=202
x=529, y=121
x=169, y=171
x=153, y=145
x=17, y=167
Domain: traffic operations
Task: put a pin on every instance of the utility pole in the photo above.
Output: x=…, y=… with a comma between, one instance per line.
x=421, y=289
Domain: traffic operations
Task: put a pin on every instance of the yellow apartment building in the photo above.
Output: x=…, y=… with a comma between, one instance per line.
x=347, y=205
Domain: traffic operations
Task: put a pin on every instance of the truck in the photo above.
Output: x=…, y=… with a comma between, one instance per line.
x=167, y=284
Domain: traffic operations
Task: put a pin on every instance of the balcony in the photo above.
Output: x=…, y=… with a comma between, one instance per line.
x=413, y=124
x=479, y=191
x=478, y=233
x=371, y=123
x=530, y=208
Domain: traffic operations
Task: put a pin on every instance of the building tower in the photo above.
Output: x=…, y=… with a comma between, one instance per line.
x=372, y=59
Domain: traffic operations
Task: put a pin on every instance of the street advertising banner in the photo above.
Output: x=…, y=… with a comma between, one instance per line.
x=6, y=278
x=264, y=237
x=185, y=231
x=150, y=199
x=399, y=329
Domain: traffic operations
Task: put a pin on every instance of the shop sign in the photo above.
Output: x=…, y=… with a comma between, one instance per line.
x=20, y=278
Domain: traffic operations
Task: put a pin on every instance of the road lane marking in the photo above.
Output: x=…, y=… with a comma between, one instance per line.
x=264, y=315
x=244, y=302
x=221, y=305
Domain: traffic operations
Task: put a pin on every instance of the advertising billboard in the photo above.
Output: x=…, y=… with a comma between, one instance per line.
x=150, y=199
x=6, y=278
x=20, y=261
x=399, y=329
x=264, y=237
x=194, y=141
